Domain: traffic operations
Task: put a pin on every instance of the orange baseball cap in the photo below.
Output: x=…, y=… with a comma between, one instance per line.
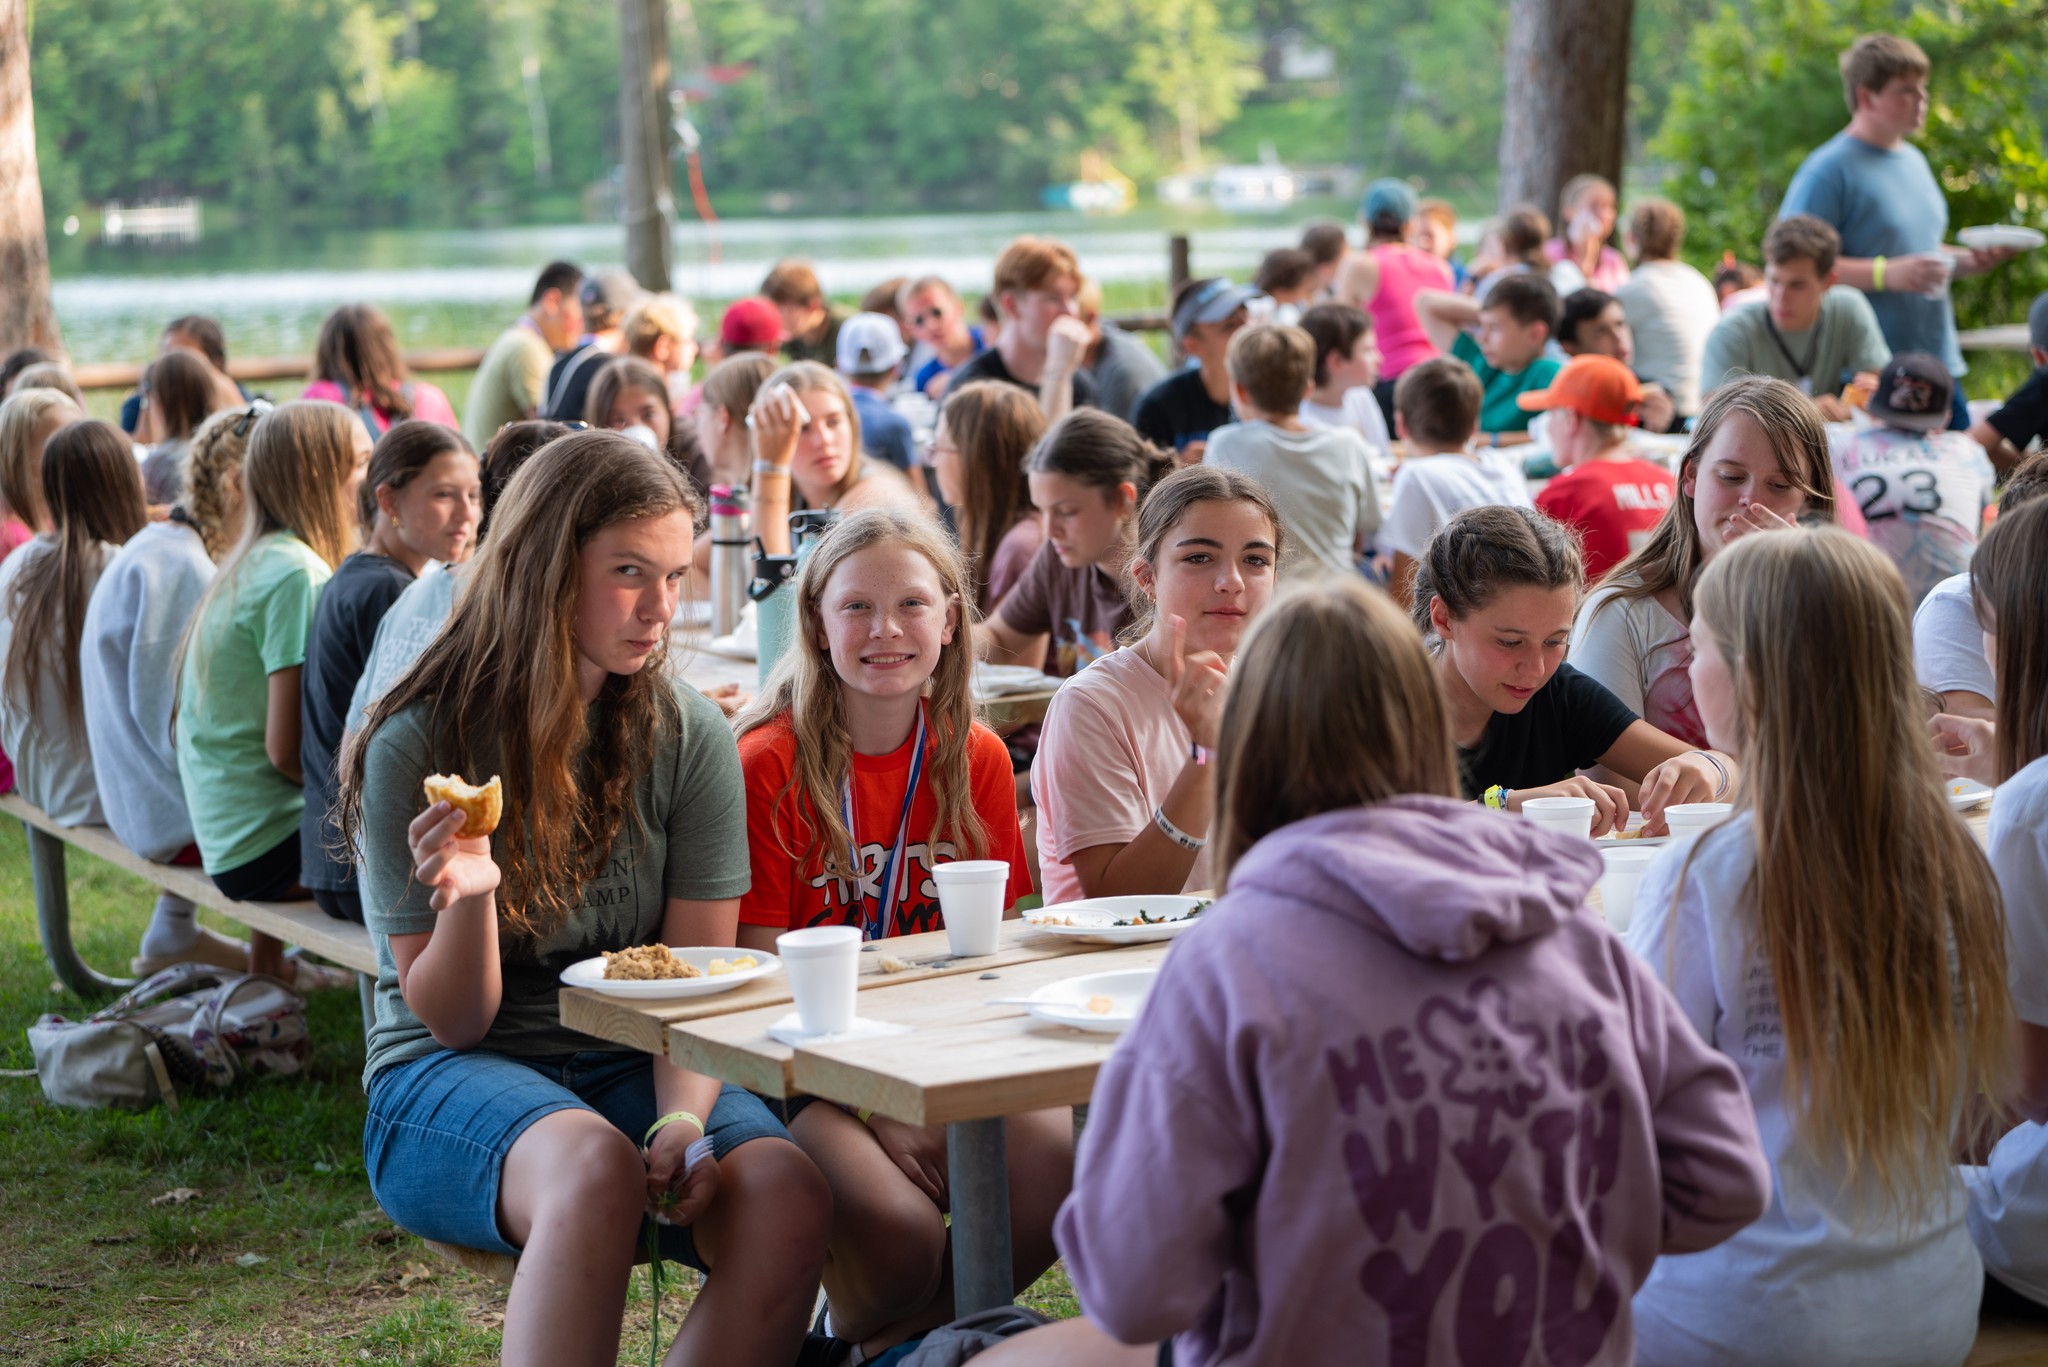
x=1592, y=386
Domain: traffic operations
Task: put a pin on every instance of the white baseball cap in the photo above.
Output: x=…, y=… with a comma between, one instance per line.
x=870, y=343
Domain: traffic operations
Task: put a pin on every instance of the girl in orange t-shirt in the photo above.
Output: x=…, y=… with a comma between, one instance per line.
x=864, y=768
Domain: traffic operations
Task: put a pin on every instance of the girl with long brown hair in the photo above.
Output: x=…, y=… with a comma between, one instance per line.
x=865, y=768
x=629, y=395
x=237, y=721
x=179, y=392
x=1758, y=460
x=491, y=1125
x=357, y=364
x=807, y=454
x=980, y=447
x=1839, y=938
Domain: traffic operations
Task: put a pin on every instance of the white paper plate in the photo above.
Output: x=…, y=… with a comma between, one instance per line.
x=1066, y=1002
x=2002, y=235
x=1095, y=919
x=1964, y=793
x=590, y=973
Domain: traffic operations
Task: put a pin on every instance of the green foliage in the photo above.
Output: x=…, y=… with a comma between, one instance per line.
x=1764, y=90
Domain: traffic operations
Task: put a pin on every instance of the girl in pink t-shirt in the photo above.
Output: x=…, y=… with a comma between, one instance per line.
x=357, y=365
x=1122, y=781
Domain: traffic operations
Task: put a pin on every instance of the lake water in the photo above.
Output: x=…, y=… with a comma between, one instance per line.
x=460, y=287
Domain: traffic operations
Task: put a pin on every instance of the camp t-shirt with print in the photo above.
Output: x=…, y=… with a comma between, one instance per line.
x=686, y=837
x=1498, y=411
x=788, y=898
x=1082, y=611
x=1569, y=723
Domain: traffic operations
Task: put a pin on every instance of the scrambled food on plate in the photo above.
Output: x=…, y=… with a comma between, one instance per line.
x=718, y=968
x=1143, y=918
x=646, y=963
x=480, y=807
x=1101, y=1005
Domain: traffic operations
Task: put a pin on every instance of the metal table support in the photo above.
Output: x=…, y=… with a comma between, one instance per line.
x=53, y=919
x=978, y=1170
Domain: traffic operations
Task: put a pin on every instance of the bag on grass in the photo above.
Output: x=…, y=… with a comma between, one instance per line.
x=190, y=1026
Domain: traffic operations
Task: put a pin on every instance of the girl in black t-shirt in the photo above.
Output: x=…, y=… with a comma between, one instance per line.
x=1496, y=591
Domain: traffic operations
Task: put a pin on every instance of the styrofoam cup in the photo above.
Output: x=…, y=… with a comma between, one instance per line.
x=1690, y=818
x=971, y=893
x=1565, y=815
x=1618, y=882
x=823, y=964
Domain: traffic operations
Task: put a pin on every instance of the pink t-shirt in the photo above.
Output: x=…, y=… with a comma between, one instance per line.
x=428, y=404
x=1403, y=271
x=1111, y=748
x=1013, y=555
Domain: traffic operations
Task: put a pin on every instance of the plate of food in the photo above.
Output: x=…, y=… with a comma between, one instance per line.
x=662, y=971
x=1997, y=235
x=1119, y=920
x=1105, y=1003
x=1965, y=793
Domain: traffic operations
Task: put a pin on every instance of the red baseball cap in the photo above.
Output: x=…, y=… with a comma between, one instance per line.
x=1592, y=386
x=751, y=322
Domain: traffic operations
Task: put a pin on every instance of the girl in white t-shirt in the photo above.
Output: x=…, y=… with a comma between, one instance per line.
x=2009, y=1194
x=1122, y=782
x=1805, y=937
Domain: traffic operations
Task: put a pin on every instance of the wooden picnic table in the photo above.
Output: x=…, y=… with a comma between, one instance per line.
x=964, y=1064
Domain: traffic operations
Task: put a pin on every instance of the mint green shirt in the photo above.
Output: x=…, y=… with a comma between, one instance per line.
x=241, y=806
x=1498, y=411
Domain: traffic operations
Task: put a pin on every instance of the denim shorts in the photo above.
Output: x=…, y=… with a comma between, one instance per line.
x=439, y=1128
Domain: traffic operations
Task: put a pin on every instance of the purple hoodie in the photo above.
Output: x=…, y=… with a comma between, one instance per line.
x=1403, y=1099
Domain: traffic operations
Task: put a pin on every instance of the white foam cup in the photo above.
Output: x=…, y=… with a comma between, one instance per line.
x=1565, y=815
x=1619, y=880
x=1690, y=818
x=971, y=893
x=823, y=964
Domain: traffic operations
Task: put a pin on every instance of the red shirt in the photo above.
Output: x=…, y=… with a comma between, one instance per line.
x=1613, y=503
x=790, y=899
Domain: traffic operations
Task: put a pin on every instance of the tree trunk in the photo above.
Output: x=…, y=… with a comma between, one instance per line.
x=26, y=318
x=1566, y=94
x=643, y=145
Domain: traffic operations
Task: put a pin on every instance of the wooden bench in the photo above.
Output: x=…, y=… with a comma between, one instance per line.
x=299, y=923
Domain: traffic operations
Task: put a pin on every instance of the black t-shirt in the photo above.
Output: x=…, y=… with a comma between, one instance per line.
x=1178, y=410
x=1566, y=727
x=569, y=382
x=2025, y=415
x=344, y=625
x=989, y=366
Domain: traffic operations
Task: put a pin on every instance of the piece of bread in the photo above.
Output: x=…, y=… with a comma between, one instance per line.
x=480, y=807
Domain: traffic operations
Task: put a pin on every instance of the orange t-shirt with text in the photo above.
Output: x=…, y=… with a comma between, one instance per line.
x=789, y=898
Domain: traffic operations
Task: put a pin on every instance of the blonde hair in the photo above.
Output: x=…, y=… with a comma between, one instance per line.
x=212, y=471
x=21, y=480
x=1874, y=909
x=655, y=317
x=1332, y=704
x=1671, y=558
x=808, y=690
x=51, y=375
x=734, y=381
x=498, y=686
x=809, y=377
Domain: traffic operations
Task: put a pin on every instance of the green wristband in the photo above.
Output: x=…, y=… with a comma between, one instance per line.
x=655, y=1128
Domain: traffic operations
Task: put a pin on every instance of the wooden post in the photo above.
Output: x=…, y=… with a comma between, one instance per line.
x=1566, y=92
x=1176, y=265
x=26, y=317
x=643, y=143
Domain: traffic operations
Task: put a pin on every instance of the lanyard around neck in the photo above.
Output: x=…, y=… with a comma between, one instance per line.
x=1804, y=369
x=879, y=923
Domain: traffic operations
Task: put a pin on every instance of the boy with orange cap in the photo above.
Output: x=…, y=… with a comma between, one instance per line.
x=1612, y=496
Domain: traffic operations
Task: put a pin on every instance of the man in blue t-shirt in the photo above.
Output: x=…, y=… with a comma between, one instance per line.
x=870, y=348
x=1878, y=192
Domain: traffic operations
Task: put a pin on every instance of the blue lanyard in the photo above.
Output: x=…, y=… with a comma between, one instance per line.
x=881, y=923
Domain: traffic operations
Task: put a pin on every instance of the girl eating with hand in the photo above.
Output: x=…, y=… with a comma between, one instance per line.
x=491, y=1126
x=1496, y=590
x=864, y=770
x=1122, y=780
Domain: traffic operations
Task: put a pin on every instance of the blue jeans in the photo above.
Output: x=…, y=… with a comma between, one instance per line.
x=439, y=1128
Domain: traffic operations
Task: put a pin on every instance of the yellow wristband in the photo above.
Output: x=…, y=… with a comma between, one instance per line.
x=864, y=1114
x=1877, y=273
x=655, y=1128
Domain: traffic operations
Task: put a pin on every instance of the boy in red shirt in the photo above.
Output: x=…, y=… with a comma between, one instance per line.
x=1611, y=496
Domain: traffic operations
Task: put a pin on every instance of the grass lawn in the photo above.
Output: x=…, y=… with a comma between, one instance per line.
x=282, y=1256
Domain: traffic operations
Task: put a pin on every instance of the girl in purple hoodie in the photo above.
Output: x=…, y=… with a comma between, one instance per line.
x=1401, y=1097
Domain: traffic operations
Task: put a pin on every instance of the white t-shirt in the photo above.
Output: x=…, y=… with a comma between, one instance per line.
x=1814, y=1280
x=1923, y=494
x=1321, y=482
x=1643, y=656
x=52, y=761
x=1430, y=490
x=414, y=619
x=1108, y=754
x=1671, y=308
x=1359, y=411
x=1948, y=645
x=2009, y=1195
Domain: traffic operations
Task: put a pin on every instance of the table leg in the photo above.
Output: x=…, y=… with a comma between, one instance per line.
x=978, y=1170
x=53, y=918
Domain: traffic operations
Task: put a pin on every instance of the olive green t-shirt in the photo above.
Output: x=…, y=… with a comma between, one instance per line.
x=691, y=842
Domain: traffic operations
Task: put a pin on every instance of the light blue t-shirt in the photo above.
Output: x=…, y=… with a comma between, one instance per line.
x=1883, y=203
